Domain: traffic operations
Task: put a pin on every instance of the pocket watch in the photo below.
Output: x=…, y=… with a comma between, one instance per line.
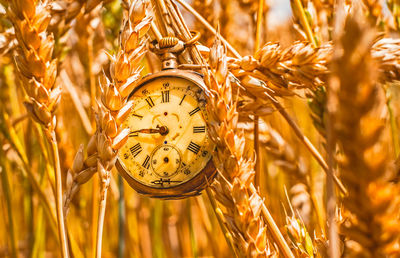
x=168, y=153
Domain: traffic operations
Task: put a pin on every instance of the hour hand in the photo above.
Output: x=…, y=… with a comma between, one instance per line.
x=149, y=131
x=163, y=130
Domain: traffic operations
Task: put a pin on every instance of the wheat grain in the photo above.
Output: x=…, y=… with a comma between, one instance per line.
x=63, y=12
x=6, y=41
x=301, y=240
x=386, y=53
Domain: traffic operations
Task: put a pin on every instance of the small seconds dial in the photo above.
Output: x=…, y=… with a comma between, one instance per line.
x=168, y=143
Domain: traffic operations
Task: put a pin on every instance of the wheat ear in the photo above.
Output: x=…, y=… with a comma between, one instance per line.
x=38, y=72
x=301, y=66
x=372, y=206
x=112, y=110
x=114, y=107
x=233, y=188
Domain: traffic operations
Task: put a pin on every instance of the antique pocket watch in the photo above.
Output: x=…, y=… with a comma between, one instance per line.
x=168, y=153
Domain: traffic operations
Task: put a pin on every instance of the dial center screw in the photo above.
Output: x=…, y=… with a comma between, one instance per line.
x=163, y=130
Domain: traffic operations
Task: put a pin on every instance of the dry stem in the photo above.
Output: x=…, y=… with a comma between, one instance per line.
x=256, y=118
x=51, y=137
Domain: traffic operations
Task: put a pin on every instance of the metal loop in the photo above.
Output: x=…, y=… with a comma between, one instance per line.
x=194, y=39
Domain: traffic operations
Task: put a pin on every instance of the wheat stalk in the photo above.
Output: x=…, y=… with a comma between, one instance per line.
x=256, y=141
x=372, y=206
x=7, y=193
x=300, y=14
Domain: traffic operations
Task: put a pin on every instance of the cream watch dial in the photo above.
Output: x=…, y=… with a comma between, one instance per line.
x=168, y=144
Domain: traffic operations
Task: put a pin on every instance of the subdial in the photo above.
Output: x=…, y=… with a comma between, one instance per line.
x=165, y=160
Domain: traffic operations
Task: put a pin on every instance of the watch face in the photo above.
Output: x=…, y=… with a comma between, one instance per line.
x=168, y=144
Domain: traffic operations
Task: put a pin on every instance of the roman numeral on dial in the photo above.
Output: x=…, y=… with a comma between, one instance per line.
x=193, y=147
x=194, y=111
x=184, y=96
x=199, y=129
x=165, y=96
x=136, y=149
x=150, y=102
x=146, y=162
x=139, y=116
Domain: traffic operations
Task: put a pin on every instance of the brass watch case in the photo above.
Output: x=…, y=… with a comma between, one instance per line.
x=195, y=185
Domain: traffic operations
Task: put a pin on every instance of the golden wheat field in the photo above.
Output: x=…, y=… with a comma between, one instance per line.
x=199, y=128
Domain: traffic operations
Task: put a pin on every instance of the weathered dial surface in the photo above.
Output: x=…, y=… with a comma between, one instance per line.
x=168, y=144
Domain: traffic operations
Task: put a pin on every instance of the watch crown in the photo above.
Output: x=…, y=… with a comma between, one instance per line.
x=168, y=42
